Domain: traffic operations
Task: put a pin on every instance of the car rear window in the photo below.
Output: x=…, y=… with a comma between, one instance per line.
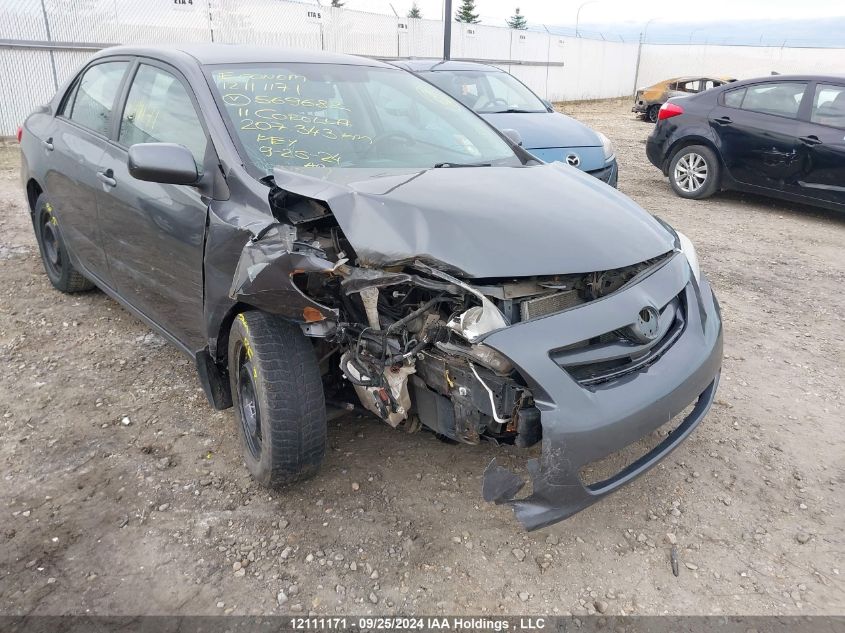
x=829, y=106
x=733, y=98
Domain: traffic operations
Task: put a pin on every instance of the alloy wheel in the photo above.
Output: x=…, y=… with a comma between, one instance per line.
x=691, y=172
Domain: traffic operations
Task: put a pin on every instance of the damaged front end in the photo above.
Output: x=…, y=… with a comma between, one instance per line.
x=510, y=360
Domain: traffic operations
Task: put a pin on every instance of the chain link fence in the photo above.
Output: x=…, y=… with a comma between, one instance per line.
x=43, y=42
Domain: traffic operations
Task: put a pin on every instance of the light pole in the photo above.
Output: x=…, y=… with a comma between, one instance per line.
x=640, y=52
x=447, y=30
x=578, y=14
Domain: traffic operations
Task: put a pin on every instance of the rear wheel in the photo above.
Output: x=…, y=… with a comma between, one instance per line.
x=694, y=172
x=54, y=252
x=652, y=112
x=278, y=399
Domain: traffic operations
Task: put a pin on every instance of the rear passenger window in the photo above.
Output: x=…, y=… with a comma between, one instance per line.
x=95, y=96
x=829, y=106
x=159, y=110
x=782, y=99
x=733, y=98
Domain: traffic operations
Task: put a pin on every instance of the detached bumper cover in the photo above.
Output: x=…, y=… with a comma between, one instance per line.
x=584, y=423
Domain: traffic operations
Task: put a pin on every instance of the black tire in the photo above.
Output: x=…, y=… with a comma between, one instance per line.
x=651, y=113
x=54, y=252
x=278, y=398
x=694, y=172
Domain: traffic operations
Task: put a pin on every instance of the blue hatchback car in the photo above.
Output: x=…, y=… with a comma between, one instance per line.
x=508, y=104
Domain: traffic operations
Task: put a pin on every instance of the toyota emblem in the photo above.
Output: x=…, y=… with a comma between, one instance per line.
x=573, y=159
x=647, y=326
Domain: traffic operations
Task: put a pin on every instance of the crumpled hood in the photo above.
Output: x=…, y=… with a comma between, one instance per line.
x=545, y=129
x=485, y=221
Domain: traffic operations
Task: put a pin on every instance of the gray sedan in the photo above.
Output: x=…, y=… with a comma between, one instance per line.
x=312, y=228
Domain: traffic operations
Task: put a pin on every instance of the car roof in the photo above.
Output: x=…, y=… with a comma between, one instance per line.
x=429, y=65
x=240, y=54
x=821, y=78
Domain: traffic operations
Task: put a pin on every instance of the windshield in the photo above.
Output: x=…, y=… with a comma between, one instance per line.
x=487, y=92
x=330, y=115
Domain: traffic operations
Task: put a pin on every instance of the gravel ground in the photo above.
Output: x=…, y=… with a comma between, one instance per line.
x=123, y=492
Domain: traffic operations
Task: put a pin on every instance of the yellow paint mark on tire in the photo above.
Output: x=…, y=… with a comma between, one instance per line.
x=247, y=346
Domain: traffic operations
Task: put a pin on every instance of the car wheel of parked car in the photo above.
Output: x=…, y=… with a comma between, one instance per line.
x=54, y=253
x=651, y=113
x=694, y=172
x=278, y=399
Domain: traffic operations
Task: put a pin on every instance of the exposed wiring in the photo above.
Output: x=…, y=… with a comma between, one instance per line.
x=492, y=398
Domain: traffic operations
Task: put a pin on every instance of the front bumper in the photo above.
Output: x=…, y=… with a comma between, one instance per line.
x=608, y=174
x=581, y=424
x=590, y=160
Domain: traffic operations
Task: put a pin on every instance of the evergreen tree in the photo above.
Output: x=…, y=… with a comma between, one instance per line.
x=466, y=12
x=517, y=21
x=415, y=11
x=337, y=4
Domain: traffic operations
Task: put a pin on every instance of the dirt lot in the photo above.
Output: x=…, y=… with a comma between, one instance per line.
x=123, y=492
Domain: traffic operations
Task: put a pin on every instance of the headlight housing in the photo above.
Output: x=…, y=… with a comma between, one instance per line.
x=689, y=252
x=607, y=148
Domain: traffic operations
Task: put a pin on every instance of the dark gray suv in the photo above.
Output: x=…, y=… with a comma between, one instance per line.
x=315, y=228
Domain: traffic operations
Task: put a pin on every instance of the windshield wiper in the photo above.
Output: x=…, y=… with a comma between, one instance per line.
x=514, y=111
x=439, y=165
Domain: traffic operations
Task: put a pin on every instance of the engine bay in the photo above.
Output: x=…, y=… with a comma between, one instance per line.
x=407, y=338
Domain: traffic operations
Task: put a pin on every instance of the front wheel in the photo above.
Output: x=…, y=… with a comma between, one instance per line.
x=277, y=393
x=694, y=172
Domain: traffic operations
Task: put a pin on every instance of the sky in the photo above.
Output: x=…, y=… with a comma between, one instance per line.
x=563, y=12
x=807, y=22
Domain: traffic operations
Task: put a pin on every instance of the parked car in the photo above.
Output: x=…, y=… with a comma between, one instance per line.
x=647, y=101
x=310, y=226
x=780, y=136
x=508, y=104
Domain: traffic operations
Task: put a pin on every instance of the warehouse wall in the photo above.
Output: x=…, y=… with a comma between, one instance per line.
x=661, y=61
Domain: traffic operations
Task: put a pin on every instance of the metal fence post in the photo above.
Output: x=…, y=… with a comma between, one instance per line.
x=50, y=52
x=210, y=21
x=637, y=71
x=548, y=58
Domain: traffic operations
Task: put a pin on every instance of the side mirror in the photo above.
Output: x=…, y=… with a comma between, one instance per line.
x=514, y=136
x=167, y=163
x=548, y=105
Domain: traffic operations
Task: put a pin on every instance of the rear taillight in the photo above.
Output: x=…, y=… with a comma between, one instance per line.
x=668, y=110
x=20, y=134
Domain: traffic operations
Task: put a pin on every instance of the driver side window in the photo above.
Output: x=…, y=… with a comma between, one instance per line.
x=159, y=110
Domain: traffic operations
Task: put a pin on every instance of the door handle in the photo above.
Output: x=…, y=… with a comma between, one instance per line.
x=107, y=177
x=810, y=140
x=48, y=144
x=723, y=120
